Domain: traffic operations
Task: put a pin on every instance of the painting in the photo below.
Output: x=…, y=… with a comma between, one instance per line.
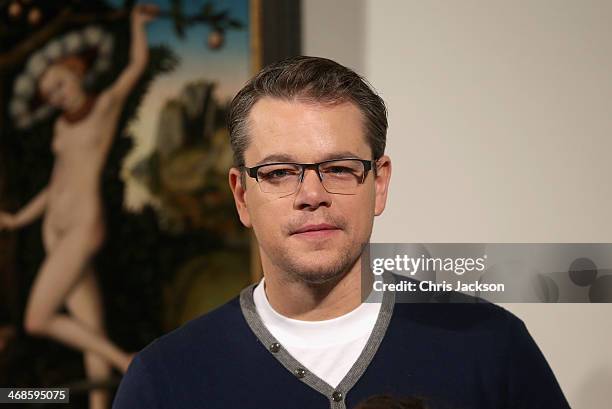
x=116, y=219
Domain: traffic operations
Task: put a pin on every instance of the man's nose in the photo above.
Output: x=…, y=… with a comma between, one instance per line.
x=311, y=193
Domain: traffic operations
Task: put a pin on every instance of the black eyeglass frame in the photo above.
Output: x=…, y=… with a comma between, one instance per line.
x=367, y=166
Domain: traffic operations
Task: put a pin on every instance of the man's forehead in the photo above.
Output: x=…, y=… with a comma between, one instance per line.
x=285, y=157
x=297, y=131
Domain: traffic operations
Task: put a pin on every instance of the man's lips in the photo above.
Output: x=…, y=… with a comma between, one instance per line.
x=316, y=230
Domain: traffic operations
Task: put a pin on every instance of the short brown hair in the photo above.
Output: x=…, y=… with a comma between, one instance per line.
x=312, y=79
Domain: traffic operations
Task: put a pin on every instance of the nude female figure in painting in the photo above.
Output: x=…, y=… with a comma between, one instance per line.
x=73, y=224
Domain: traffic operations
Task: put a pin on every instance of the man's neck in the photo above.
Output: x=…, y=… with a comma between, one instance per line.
x=314, y=302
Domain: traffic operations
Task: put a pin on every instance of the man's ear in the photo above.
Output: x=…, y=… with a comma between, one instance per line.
x=236, y=180
x=381, y=183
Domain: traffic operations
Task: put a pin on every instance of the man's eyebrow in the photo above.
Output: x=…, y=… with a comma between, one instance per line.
x=276, y=157
x=339, y=155
x=281, y=157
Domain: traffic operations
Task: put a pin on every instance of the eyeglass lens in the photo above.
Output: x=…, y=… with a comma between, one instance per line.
x=341, y=176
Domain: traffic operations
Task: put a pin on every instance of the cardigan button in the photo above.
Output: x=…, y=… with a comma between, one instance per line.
x=275, y=347
x=337, y=396
x=300, y=372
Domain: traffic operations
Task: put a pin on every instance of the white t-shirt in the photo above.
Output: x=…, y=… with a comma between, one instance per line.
x=326, y=348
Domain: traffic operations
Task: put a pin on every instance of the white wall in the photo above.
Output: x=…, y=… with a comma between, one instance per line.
x=336, y=30
x=500, y=131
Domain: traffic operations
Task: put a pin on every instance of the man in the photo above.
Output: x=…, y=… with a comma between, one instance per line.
x=309, y=136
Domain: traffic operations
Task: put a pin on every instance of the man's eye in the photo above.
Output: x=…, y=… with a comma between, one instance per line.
x=277, y=174
x=339, y=170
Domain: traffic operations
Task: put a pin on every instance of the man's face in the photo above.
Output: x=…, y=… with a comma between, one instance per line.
x=304, y=132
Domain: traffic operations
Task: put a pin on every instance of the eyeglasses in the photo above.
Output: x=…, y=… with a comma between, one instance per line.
x=341, y=176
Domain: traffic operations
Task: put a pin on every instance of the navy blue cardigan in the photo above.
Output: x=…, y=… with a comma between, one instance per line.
x=458, y=356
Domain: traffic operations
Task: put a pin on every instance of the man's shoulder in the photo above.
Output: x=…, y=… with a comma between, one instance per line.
x=168, y=370
x=454, y=311
x=204, y=331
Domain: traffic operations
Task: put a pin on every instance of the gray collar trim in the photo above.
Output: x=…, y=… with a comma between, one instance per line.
x=336, y=396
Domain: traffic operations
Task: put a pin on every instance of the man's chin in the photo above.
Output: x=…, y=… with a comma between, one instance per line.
x=319, y=268
x=315, y=264
x=313, y=246
x=318, y=277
